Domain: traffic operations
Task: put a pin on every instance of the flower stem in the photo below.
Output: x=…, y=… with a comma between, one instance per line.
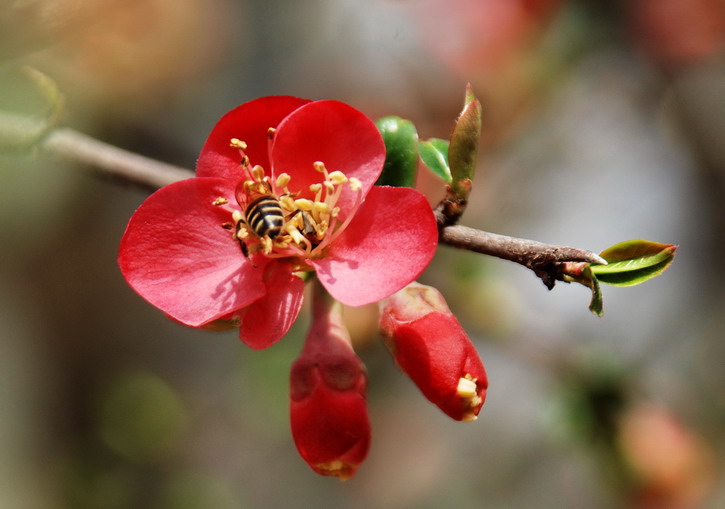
x=327, y=315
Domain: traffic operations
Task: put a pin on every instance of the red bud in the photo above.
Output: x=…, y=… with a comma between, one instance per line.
x=431, y=347
x=328, y=407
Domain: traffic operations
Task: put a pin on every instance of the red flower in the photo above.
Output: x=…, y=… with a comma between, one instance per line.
x=328, y=407
x=201, y=250
x=431, y=347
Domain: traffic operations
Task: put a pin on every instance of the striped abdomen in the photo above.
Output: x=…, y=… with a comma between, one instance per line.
x=264, y=215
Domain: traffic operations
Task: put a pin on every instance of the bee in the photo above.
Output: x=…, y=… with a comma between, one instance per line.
x=265, y=216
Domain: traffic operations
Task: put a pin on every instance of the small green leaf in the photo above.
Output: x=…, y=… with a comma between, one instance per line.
x=463, y=149
x=401, y=157
x=634, y=262
x=596, y=305
x=630, y=249
x=434, y=153
x=634, y=277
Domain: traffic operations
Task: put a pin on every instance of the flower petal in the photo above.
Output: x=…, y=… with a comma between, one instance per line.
x=389, y=242
x=178, y=257
x=268, y=319
x=332, y=132
x=249, y=123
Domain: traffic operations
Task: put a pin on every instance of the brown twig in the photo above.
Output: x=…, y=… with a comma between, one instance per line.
x=546, y=261
x=112, y=161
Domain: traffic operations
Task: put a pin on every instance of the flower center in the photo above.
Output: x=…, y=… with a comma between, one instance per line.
x=277, y=222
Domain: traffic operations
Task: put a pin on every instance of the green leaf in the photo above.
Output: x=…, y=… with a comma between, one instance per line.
x=633, y=262
x=463, y=149
x=434, y=153
x=596, y=305
x=401, y=157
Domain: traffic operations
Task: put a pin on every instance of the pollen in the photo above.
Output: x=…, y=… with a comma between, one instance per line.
x=220, y=201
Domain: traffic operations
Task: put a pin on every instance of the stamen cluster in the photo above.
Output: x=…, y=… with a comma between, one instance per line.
x=305, y=226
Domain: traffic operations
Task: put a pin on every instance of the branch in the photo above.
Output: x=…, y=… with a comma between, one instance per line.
x=112, y=161
x=19, y=133
x=546, y=261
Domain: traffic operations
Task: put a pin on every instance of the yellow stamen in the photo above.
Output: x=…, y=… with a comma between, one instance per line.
x=220, y=201
x=283, y=180
x=258, y=173
x=238, y=144
x=287, y=203
x=319, y=166
x=466, y=388
x=322, y=208
x=237, y=216
x=338, y=178
x=355, y=184
x=468, y=392
x=304, y=204
x=267, y=244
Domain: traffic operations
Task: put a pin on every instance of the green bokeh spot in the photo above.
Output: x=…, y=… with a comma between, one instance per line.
x=140, y=417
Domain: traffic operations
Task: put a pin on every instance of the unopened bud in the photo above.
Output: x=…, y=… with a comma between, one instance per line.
x=431, y=347
x=328, y=406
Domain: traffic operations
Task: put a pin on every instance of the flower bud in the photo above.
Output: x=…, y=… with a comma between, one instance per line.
x=328, y=407
x=431, y=347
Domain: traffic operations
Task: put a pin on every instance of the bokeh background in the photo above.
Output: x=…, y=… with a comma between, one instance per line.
x=603, y=122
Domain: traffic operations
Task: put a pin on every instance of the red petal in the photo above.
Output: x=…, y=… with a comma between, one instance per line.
x=267, y=320
x=178, y=257
x=389, y=242
x=336, y=134
x=249, y=123
x=331, y=427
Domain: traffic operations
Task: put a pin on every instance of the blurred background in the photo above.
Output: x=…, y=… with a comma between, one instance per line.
x=603, y=122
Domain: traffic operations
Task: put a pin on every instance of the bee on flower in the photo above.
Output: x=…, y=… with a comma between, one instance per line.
x=284, y=186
